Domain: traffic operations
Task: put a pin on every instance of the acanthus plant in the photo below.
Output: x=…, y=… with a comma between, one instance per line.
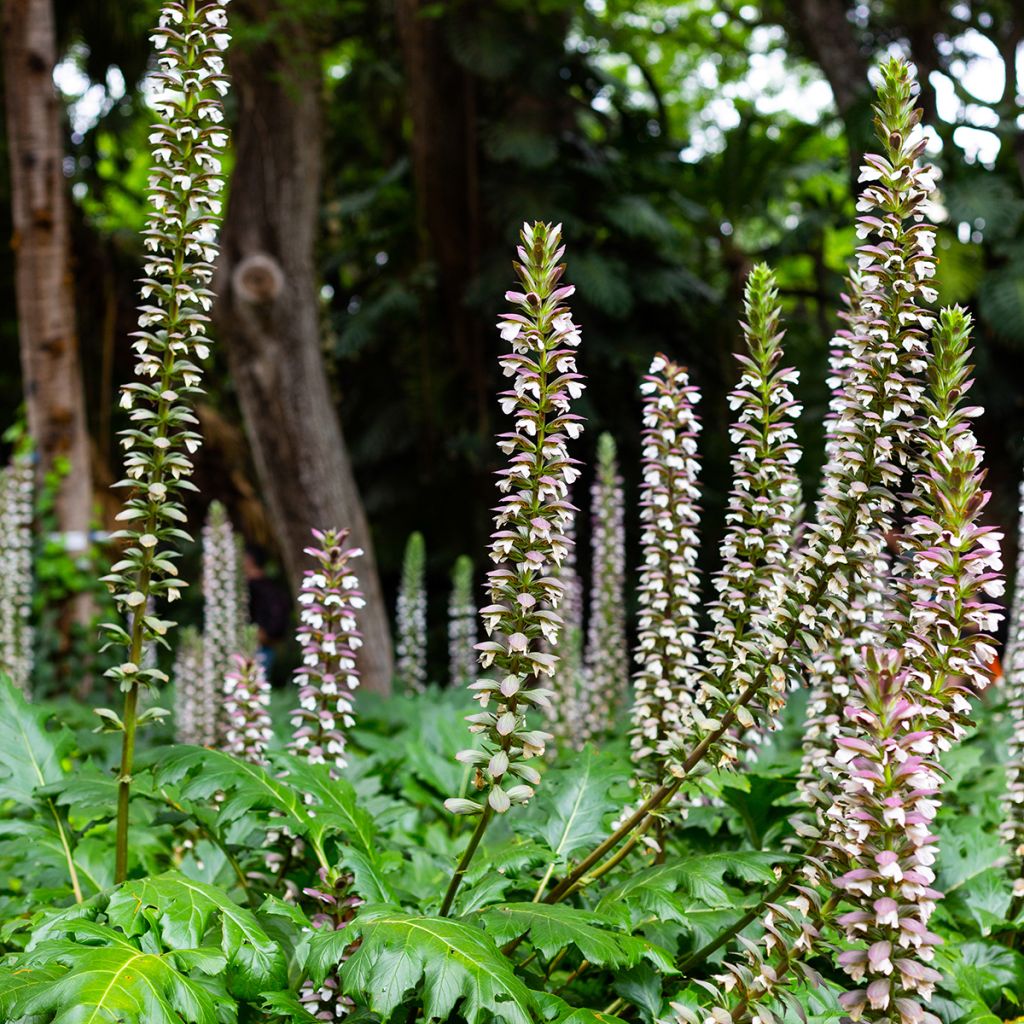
x=330, y=639
x=606, y=657
x=16, y=574
x=184, y=191
x=328, y=878
x=668, y=588
x=225, y=614
x=462, y=624
x=411, y=618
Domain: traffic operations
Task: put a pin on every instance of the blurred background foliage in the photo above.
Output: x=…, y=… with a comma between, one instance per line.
x=677, y=142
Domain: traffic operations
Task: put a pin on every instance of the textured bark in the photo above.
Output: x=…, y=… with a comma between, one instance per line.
x=267, y=313
x=442, y=99
x=51, y=368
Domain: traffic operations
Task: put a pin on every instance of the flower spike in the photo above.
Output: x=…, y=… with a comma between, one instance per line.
x=667, y=648
x=329, y=636
x=411, y=618
x=529, y=542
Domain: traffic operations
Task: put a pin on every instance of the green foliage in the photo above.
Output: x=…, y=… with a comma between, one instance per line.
x=453, y=961
x=551, y=927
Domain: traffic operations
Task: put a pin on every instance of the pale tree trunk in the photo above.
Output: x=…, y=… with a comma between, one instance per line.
x=267, y=312
x=50, y=364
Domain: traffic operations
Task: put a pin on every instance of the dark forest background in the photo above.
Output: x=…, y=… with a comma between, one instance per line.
x=386, y=152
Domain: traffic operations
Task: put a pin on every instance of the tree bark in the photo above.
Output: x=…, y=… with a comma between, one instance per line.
x=51, y=368
x=442, y=98
x=268, y=309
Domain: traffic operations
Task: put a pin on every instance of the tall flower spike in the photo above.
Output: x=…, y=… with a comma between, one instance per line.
x=881, y=386
x=329, y=637
x=761, y=513
x=16, y=633
x=880, y=397
x=529, y=542
x=248, y=728
x=666, y=655
x=184, y=193
x=882, y=843
x=912, y=706
x=224, y=612
x=1012, y=829
x=195, y=713
x=462, y=635
x=606, y=659
x=411, y=617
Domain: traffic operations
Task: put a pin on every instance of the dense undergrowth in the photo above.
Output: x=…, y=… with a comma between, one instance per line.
x=789, y=814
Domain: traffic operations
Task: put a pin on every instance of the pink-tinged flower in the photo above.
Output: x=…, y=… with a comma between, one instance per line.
x=411, y=618
x=335, y=905
x=912, y=704
x=16, y=577
x=248, y=728
x=529, y=543
x=329, y=635
x=886, y=762
x=667, y=650
x=605, y=672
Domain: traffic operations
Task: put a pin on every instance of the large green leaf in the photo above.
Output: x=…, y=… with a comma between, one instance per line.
x=570, y=809
x=455, y=962
x=30, y=754
x=552, y=926
x=337, y=804
x=200, y=773
x=182, y=912
x=74, y=981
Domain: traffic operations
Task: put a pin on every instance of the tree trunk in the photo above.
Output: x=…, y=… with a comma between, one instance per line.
x=268, y=310
x=441, y=97
x=50, y=364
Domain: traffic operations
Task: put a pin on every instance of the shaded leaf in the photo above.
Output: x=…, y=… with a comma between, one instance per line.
x=182, y=911
x=454, y=962
x=552, y=926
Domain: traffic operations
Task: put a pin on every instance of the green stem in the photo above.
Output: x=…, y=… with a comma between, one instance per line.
x=665, y=792
x=539, y=894
x=168, y=370
x=124, y=783
x=467, y=859
x=615, y=1006
x=696, y=958
x=76, y=886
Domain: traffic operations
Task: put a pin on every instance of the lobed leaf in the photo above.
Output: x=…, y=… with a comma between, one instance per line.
x=454, y=962
x=552, y=926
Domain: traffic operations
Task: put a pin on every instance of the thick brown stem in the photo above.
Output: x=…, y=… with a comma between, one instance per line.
x=268, y=310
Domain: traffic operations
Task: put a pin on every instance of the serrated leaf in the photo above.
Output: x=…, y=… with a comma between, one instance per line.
x=199, y=773
x=30, y=754
x=182, y=911
x=401, y=952
x=569, y=812
x=552, y=926
x=338, y=806
x=71, y=981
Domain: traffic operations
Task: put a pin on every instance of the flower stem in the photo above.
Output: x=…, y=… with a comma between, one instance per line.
x=124, y=783
x=467, y=859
